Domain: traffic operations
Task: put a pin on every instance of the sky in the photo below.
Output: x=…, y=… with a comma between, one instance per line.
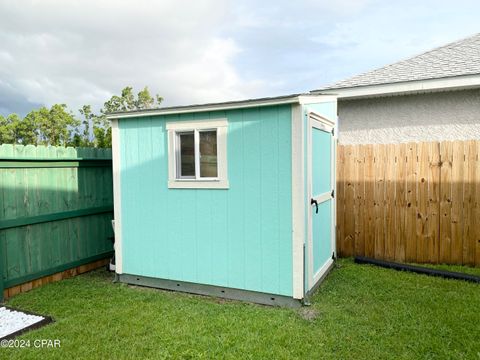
x=190, y=52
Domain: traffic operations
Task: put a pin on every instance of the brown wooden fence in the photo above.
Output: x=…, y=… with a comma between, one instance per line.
x=415, y=202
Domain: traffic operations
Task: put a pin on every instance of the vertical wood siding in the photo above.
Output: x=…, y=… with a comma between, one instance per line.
x=240, y=237
x=415, y=202
x=55, y=209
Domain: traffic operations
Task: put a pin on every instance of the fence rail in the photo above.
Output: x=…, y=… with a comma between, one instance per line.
x=415, y=202
x=55, y=209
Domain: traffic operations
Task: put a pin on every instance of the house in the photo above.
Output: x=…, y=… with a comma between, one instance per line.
x=433, y=96
x=230, y=199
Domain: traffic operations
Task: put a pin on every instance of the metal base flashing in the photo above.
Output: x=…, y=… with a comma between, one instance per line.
x=211, y=290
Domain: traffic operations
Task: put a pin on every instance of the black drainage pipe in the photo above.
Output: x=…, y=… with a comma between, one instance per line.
x=418, y=269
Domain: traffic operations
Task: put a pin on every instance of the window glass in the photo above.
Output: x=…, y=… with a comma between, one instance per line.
x=187, y=154
x=208, y=153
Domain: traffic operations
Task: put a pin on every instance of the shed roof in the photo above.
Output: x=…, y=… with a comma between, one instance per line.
x=459, y=58
x=229, y=105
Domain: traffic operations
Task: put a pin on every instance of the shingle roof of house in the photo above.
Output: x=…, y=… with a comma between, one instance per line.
x=458, y=58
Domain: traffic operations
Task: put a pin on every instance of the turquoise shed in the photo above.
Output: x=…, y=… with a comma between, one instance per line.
x=231, y=199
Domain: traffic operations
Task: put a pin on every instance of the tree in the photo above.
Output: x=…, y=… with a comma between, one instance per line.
x=5, y=131
x=58, y=126
x=84, y=139
x=15, y=130
x=146, y=101
x=126, y=102
x=24, y=130
x=102, y=131
x=55, y=126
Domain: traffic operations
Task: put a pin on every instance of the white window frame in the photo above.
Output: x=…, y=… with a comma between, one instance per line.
x=188, y=182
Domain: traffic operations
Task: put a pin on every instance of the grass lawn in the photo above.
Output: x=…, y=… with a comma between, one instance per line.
x=360, y=312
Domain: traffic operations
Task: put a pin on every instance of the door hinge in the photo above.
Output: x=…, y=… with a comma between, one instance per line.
x=333, y=193
x=333, y=255
x=333, y=131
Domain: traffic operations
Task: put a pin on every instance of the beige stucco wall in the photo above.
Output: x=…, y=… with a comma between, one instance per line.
x=453, y=115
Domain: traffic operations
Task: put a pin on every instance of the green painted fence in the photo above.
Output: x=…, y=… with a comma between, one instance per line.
x=56, y=207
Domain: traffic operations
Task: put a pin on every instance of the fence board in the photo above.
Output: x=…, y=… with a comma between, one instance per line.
x=411, y=203
x=369, y=209
x=416, y=202
x=359, y=200
x=390, y=204
x=446, y=158
x=468, y=250
x=458, y=164
x=349, y=193
x=434, y=202
x=400, y=202
x=379, y=200
x=422, y=237
x=340, y=203
x=476, y=237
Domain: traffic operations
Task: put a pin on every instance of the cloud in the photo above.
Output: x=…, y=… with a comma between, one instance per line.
x=392, y=33
x=11, y=101
x=309, y=43
x=82, y=52
x=85, y=51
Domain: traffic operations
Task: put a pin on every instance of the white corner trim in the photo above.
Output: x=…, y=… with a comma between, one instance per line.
x=221, y=182
x=308, y=239
x=298, y=202
x=117, y=203
x=401, y=88
x=334, y=185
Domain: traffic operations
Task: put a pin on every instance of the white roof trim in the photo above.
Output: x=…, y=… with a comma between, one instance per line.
x=400, y=88
x=296, y=99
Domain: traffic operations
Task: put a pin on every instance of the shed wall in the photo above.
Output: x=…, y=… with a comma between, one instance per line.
x=240, y=237
x=452, y=115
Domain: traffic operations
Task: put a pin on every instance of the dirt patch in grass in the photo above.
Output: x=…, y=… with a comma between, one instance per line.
x=308, y=313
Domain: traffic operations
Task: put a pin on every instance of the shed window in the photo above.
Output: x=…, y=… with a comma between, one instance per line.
x=197, y=154
x=197, y=150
